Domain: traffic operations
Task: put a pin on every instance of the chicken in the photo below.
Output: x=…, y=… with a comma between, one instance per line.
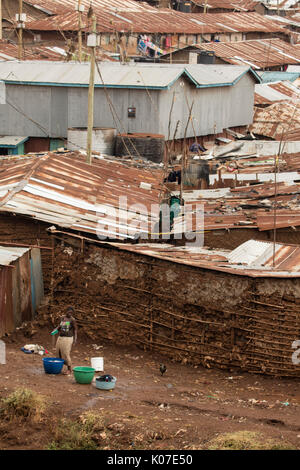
x=162, y=369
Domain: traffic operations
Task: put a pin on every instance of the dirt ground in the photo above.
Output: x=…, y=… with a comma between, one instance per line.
x=184, y=409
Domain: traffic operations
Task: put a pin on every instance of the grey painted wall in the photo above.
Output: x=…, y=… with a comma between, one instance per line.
x=213, y=110
x=146, y=109
x=36, y=111
x=41, y=111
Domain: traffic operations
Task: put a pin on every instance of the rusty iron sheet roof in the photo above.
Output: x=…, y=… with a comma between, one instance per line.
x=287, y=258
x=268, y=93
x=116, y=75
x=10, y=51
x=281, y=4
x=217, y=260
x=10, y=254
x=238, y=5
x=258, y=53
x=9, y=9
x=283, y=219
x=59, y=6
x=162, y=21
x=278, y=121
x=245, y=207
x=63, y=190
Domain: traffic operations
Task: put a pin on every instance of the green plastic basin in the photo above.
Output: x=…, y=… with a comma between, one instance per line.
x=84, y=375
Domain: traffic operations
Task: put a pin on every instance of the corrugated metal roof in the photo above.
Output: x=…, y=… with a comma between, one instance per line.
x=161, y=21
x=293, y=69
x=238, y=5
x=268, y=77
x=58, y=6
x=251, y=253
x=278, y=121
x=11, y=141
x=287, y=258
x=10, y=51
x=10, y=254
x=287, y=21
x=243, y=207
x=259, y=53
x=118, y=75
x=267, y=93
x=217, y=260
x=63, y=190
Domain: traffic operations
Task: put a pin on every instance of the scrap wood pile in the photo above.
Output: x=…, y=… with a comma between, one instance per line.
x=255, y=334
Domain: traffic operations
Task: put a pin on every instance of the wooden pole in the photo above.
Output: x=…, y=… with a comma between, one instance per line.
x=79, y=31
x=20, y=47
x=91, y=99
x=1, y=33
x=275, y=206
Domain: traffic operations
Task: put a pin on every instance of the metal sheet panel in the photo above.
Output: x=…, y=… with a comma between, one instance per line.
x=10, y=254
x=161, y=21
x=16, y=294
x=37, y=284
x=119, y=75
x=63, y=191
x=259, y=53
x=6, y=306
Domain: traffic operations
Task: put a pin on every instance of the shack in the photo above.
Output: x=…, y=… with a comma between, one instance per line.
x=21, y=286
x=43, y=102
x=226, y=309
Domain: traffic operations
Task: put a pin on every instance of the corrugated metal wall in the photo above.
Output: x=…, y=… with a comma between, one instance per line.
x=37, y=284
x=147, y=112
x=6, y=304
x=21, y=290
x=214, y=108
x=36, y=111
x=54, y=109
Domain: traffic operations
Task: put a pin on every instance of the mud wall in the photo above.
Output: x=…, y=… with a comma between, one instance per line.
x=189, y=314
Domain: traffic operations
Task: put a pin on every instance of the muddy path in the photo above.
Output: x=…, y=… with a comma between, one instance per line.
x=188, y=406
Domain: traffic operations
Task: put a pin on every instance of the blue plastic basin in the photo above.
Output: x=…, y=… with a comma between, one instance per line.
x=53, y=365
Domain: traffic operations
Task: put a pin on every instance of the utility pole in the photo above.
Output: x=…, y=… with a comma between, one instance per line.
x=20, y=27
x=80, y=8
x=92, y=43
x=1, y=34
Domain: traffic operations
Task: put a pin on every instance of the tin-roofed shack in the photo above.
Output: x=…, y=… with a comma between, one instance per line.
x=21, y=286
x=193, y=305
x=54, y=99
x=41, y=191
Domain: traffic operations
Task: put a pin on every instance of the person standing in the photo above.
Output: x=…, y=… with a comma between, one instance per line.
x=67, y=336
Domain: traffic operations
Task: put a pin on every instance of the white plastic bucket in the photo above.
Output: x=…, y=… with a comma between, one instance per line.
x=97, y=364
